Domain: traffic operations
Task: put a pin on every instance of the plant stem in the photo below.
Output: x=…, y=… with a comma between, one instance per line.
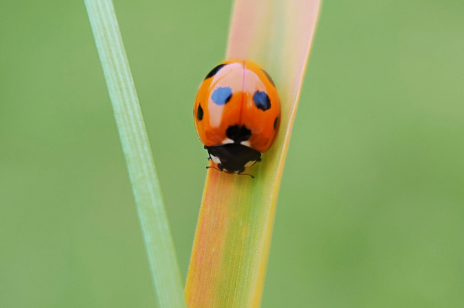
x=231, y=247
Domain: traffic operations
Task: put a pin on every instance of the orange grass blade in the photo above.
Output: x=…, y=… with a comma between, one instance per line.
x=232, y=239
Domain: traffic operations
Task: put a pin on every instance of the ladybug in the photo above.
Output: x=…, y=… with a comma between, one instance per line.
x=237, y=114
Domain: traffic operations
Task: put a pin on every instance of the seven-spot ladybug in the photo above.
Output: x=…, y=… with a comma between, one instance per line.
x=237, y=114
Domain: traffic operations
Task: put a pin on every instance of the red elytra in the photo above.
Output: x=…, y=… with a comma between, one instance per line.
x=237, y=114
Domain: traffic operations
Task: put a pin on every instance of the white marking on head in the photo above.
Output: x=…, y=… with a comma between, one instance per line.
x=245, y=143
x=227, y=141
x=250, y=163
x=215, y=159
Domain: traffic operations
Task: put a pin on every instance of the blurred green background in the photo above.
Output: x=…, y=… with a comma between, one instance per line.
x=370, y=212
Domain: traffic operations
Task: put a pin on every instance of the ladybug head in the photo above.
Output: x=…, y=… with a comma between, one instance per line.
x=233, y=157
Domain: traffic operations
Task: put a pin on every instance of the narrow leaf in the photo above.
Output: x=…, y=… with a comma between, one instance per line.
x=232, y=239
x=139, y=158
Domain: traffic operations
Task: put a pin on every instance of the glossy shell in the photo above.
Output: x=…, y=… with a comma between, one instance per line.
x=237, y=103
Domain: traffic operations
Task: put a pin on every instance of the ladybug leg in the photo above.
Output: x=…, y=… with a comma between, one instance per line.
x=258, y=160
x=243, y=169
x=220, y=166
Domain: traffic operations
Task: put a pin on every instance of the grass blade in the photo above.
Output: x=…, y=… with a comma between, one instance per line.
x=231, y=245
x=139, y=158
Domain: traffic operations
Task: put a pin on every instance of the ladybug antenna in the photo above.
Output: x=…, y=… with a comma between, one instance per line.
x=247, y=174
x=212, y=167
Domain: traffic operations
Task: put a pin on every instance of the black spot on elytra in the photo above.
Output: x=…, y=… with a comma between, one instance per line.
x=238, y=133
x=268, y=77
x=275, y=123
x=200, y=113
x=261, y=100
x=214, y=71
x=222, y=95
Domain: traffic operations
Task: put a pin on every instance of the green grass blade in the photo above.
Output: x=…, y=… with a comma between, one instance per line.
x=139, y=158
